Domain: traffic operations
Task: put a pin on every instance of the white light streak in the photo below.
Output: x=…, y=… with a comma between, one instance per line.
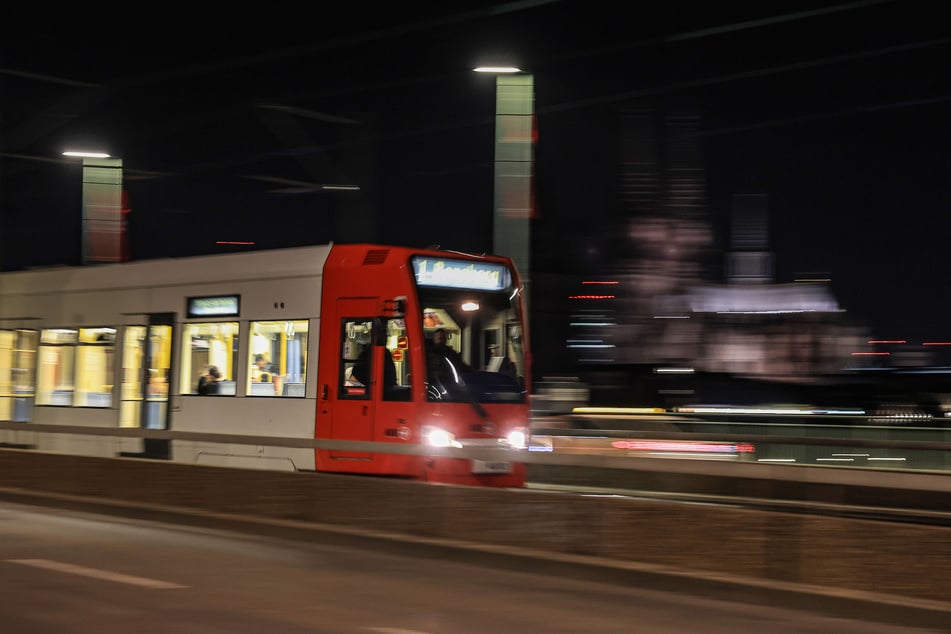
x=762, y=312
x=743, y=410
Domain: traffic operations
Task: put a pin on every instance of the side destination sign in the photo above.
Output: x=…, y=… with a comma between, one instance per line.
x=221, y=306
x=486, y=276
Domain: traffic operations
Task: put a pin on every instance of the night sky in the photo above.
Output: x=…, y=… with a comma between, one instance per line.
x=227, y=120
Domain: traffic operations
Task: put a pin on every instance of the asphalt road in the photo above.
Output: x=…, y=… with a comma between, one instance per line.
x=66, y=571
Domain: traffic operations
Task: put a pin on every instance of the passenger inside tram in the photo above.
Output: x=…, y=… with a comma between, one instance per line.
x=208, y=383
x=358, y=373
x=264, y=370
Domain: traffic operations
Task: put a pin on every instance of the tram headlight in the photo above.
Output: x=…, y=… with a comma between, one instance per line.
x=439, y=437
x=518, y=438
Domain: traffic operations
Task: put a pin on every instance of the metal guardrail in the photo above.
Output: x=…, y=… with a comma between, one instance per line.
x=557, y=447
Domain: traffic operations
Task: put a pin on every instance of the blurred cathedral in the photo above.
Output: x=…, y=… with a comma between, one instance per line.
x=674, y=299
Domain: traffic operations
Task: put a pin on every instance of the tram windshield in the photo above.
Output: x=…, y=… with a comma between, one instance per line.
x=473, y=346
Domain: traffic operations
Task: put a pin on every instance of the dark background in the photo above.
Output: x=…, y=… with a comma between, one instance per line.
x=228, y=120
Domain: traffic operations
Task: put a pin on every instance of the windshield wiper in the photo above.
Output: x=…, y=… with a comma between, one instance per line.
x=457, y=376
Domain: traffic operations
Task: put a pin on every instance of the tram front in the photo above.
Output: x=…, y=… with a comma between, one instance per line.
x=471, y=319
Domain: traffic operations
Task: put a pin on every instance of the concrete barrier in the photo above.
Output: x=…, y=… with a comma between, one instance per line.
x=878, y=562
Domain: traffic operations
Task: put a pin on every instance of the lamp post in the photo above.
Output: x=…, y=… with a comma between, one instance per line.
x=514, y=166
x=103, y=224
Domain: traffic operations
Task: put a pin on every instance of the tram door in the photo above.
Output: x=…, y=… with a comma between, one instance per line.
x=158, y=363
x=146, y=377
x=17, y=374
x=133, y=376
x=353, y=408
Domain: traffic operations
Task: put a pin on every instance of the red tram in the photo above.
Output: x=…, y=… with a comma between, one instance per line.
x=330, y=342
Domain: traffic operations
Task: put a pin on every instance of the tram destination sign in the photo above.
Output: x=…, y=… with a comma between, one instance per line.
x=450, y=273
x=217, y=306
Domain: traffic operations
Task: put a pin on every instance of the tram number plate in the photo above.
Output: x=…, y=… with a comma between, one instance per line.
x=491, y=466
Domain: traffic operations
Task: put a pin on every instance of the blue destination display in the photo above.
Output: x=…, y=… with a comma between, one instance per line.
x=220, y=306
x=448, y=273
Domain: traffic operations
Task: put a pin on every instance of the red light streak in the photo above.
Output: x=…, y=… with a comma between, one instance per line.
x=871, y=354
x=600, y=282
x=874, y=341
x=937, y=343
x=591, y=297
x=674, y=445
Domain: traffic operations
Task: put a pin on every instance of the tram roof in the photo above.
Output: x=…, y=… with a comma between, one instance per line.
x=260, y=264
x=248, y=265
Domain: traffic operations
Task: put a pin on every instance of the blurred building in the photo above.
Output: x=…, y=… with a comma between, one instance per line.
x=674, y=298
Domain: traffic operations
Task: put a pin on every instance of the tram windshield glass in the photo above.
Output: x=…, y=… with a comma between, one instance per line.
x=473, y=327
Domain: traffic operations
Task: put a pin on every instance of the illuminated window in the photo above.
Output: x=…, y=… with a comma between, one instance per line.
x=396, y=370
x=277, y=365
x=131, y=392
x=207, y=346
x=57, y=362
x=356, y=356
x=17, y=374
x=158, y=352
x=95, y=367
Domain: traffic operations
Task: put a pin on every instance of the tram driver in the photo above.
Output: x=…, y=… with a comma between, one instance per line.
x=440, y=349
x=444, y=364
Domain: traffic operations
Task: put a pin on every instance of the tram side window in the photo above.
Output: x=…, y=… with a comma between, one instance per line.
x=17, y=374
x=95, y=363
x=356, y=355
x=206, y=345
x=277, y=365
x=57, y=363
x=396, y=370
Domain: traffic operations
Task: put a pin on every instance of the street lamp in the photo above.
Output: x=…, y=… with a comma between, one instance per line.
x=102, y=209
x=514, y=166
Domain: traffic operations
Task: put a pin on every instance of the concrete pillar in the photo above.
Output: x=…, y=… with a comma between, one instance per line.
x=514, y=170
x=102, y=210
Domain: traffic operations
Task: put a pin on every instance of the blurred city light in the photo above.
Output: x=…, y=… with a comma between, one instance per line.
x=497, y=69
x=773, y=411
x=611, y=411
x=82, y=154
x=686, y=448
